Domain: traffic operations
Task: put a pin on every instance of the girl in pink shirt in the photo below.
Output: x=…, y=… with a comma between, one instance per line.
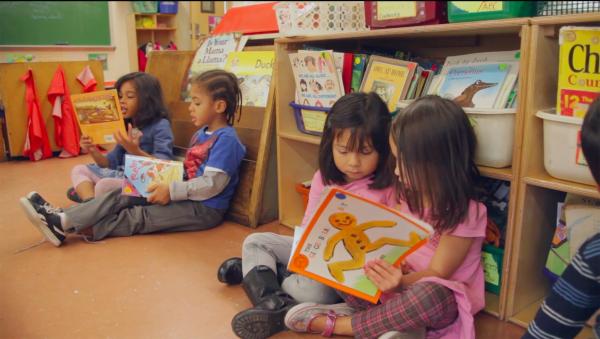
x=440, y=286
x=354, y=154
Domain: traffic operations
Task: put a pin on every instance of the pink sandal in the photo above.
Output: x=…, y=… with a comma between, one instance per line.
x=300, y=317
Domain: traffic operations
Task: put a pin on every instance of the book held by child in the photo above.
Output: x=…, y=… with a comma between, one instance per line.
x=346, y=232
x=140, y=172
x=99, y=115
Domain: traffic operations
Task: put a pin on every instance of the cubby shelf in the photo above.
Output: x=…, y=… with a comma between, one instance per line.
x=297, y=152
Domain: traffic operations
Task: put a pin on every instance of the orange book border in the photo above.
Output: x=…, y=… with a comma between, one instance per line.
x=338, y=286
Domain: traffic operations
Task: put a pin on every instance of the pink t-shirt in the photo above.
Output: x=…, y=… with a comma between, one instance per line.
x=386, y=196
x=467, y=282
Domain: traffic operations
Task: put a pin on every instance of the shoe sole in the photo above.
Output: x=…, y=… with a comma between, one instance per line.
x=257, y=324
x=35, y=219
x=341, y=309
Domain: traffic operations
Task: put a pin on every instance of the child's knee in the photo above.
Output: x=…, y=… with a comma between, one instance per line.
x=106, y=185
x=79, y=174
x=257, y=240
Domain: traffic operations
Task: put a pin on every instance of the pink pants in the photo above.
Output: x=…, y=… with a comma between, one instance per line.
x=81, y=173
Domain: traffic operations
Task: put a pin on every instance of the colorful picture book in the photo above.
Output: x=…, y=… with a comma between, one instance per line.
x=389, y=78
x=99, y=115
x=254, y=71
x=578, y=70
x=212, y=54
x=475, y=86
x=347, y=231
x=316, y=77
x=140, y=172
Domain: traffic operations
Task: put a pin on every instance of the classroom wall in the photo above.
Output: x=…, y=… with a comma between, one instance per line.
x=118, y=58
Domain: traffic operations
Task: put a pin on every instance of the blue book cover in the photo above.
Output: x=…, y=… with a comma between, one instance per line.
x=475, y=86
x=140, y=172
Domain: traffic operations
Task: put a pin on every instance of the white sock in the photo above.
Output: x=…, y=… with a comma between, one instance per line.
x=64, y=221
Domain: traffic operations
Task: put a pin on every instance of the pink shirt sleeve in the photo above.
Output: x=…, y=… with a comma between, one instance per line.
x=314, y=197
x=475, y=224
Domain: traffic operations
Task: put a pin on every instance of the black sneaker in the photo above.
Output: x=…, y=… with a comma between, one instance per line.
x=37, y=201
x=47, y=222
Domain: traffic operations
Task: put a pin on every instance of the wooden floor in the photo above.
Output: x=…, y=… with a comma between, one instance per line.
x=154, y=286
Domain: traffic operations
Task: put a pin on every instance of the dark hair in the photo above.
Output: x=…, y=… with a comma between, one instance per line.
x=368, y=119
x=436, y=146
x=151, y=106
x=590, y=138
x=222, y=85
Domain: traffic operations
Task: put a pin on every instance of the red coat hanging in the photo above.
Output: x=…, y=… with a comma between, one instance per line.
x=66, y=131
x=37, y=145
x=87, y=80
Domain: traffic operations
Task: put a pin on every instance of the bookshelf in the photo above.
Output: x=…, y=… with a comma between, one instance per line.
x=150, y=27
x=538, y=192
x=297, y=152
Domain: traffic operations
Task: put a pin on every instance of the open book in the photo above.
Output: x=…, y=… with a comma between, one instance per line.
x=140, y=172
x=347, y=231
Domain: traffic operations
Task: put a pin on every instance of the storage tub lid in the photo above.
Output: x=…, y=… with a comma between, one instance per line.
x=551, y=116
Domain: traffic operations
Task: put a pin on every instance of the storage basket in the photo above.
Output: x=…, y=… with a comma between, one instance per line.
x=460, y=11
x=145, y=6
x=563, y=157
x=319, y=17
x=310, y=119
x=491, y=258
x=167, y=7
x=303, y=191
x=545, y=8
x=382, y=14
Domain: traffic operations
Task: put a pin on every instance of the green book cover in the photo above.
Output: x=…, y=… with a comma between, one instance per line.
x=358, y=70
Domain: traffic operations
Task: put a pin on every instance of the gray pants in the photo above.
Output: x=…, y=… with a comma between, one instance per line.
x=117, y=215
x=269, y=249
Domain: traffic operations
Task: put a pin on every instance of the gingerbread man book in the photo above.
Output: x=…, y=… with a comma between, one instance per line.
x=345, y=232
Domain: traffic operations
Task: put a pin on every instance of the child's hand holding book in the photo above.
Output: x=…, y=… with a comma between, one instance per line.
x=159, y=193
x=383, y=275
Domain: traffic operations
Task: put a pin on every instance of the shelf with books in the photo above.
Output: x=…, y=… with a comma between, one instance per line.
x=297, y=152
x=539, y=192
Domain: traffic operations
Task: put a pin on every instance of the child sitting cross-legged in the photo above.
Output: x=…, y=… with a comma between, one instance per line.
x=211, y=167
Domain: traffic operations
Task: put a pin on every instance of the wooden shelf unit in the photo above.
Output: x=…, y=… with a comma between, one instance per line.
x=538, y=192
x=297, y=152
x=163, y=30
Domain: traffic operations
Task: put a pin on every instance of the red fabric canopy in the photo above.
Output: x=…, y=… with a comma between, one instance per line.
x=252, y=19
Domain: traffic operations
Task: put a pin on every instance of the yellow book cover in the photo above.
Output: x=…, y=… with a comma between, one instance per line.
x=254, y=70
x=99, y=115
x=390, y=78
x=579, y=69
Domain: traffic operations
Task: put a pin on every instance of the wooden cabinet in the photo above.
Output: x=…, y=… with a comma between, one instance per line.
x=538, y=192
x=297, y=152
x=153, y=27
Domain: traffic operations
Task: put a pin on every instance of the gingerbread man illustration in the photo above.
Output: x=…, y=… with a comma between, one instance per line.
x=357, y=243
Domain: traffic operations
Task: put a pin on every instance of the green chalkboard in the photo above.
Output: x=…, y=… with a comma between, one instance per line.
x=54, y=23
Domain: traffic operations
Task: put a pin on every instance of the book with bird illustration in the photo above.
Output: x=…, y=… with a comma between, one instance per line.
x=475, y=86
x=140, y=172
x=345, y=232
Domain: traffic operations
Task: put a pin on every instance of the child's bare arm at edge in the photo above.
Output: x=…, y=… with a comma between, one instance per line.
x=447, y=258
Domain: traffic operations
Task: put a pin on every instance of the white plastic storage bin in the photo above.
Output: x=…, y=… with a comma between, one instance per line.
x=495, y=131
x=563, y=158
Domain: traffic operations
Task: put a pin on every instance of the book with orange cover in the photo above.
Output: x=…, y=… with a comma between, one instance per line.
x=99, y=115
x=347, y=231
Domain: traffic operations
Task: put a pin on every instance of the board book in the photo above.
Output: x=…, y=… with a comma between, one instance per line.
x=347, y=231
x=140, y=172
x=99, y=115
